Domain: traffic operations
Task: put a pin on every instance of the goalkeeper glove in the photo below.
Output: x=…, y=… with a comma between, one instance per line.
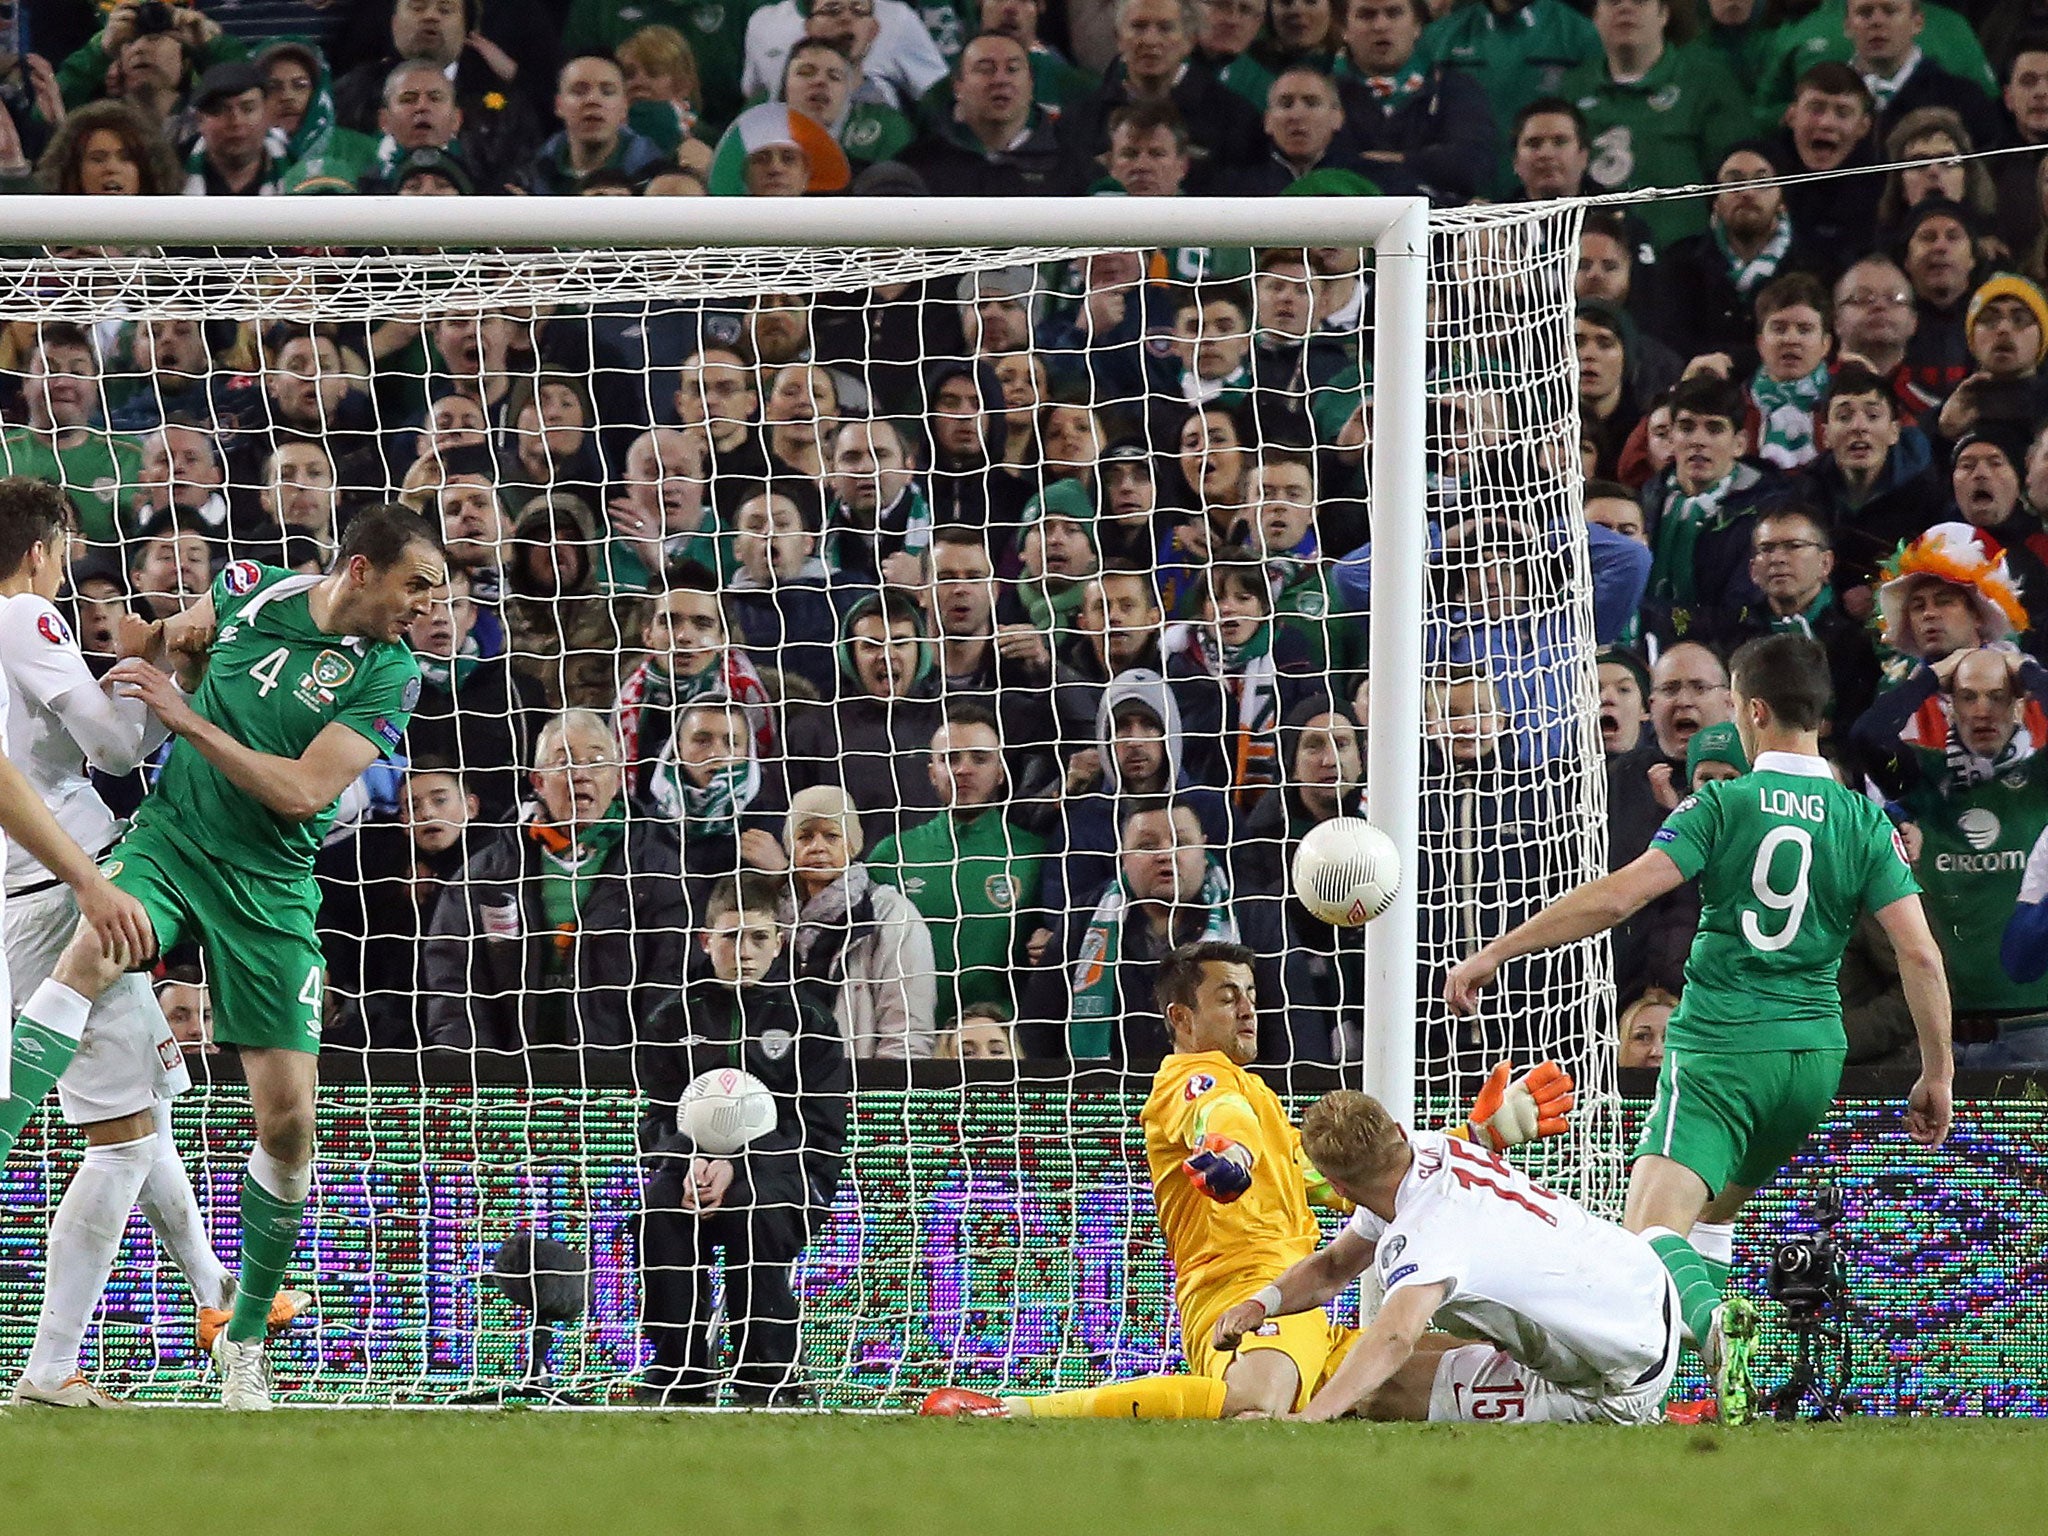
x=1536, y=1104
x=1221, y=1168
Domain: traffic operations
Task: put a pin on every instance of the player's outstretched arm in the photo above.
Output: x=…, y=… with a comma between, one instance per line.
x=122, y=925
x=1593, y=908
x=1930, y=1107
x=294, y=788
x=1308, y=1283
x=1384, y=1350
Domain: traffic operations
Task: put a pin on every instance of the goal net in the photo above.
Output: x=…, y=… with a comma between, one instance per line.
x=1016, y=596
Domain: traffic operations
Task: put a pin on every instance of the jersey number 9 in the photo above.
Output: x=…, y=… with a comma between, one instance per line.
x=1791, y=902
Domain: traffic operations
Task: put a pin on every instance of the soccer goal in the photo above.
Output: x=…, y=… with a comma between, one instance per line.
x=1347, y=396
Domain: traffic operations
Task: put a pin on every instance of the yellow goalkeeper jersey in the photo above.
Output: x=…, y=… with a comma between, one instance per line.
x=1223, y=1253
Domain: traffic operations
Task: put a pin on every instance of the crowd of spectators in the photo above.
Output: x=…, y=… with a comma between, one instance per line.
x=1012, y=623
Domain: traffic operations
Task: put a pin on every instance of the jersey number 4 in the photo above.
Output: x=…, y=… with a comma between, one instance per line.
x=1791, y=901
x=270, y=670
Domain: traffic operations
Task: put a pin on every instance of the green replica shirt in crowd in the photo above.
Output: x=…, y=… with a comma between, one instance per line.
x=1516, y=58
x=969, y=879
x=1668, y=129
x=716, y=31
x=1786, y=858
x=99, y=474
x=1973, y=858
x=1818, y=38
x=274, y=681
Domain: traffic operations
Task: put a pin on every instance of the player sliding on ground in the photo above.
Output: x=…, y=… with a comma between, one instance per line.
x=307, y=680
x=1785, y=857
x=1233, y=1192
x=119, y=1086
x=1581, y=1316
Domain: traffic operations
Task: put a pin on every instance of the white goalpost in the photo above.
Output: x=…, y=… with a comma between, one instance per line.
x=1436, y=382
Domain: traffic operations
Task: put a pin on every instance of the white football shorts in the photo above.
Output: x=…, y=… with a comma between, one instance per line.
x=127, y=1060
x=1477, y=1383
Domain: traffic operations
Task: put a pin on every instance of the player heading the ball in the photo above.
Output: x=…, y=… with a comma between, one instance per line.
x=292, y=686
x=1786, y=857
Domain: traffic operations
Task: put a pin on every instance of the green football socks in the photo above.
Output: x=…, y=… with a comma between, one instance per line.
x=1698, y=1295
x=46, y=1037
x=271, y=1218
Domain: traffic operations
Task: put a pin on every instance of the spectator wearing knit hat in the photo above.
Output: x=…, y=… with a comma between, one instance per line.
x=1940, y=258
x=1985, y=472
x=2006, y=330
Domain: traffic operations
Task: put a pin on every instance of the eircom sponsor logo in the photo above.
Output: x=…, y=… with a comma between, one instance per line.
x=2004, y=861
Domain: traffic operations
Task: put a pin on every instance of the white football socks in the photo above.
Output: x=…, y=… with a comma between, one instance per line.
x=173, y=1211
x=85, y=1236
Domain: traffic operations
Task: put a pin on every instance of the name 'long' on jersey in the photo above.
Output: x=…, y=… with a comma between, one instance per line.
x=1578, y=1300
x=1786, y=859
x=274, y=682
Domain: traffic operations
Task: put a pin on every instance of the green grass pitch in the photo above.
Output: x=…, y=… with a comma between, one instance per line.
x=493, y=1474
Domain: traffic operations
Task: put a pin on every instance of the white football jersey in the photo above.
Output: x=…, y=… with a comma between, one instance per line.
x=1578, y=1300
x=56, y=715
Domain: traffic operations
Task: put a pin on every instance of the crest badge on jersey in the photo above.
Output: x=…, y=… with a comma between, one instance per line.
x=241, y=577
x=775, y=1043
x=331, y=669
x=51, y=627
x=1198, y=1085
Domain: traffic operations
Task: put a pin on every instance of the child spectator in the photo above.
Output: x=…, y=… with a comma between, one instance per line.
x=760, y=1206
x=984, y=1033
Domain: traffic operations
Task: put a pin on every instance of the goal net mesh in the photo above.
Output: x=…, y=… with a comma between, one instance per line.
x=1118, y=503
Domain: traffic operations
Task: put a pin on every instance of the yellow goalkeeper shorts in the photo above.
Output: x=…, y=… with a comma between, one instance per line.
x=1316, y=1345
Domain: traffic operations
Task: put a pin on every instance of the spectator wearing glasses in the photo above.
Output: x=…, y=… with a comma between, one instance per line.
x=1875, y=320
x=2007, y=328
x=887, y=38
x=1791, y=563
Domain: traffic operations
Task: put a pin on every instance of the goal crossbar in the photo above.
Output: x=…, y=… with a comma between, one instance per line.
x=1396, y=229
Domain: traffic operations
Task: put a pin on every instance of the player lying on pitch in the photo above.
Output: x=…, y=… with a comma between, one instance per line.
x=1233, y=1192
x=1581, y=1318
x=1786, y=858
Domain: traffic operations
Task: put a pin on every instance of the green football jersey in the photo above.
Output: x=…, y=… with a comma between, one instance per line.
x=274, y=682
x=1786, y=858
x=99, y=474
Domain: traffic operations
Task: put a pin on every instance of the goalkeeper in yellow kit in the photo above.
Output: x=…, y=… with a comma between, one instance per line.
x=1234, y=1192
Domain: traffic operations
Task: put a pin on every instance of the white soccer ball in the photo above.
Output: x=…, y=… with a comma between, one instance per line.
x=1346, y=871
x=724, y=1109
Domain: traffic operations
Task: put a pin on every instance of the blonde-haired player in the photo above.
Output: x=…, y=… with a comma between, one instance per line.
x=1234, y=1194
x=1580, y=1317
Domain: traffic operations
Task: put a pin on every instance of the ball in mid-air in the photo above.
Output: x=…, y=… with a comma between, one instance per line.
x=724, y=1109
x=1346, y=871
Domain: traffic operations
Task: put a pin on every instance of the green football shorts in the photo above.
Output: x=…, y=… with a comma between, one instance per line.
x=1738, y=1117
x=263, y=958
